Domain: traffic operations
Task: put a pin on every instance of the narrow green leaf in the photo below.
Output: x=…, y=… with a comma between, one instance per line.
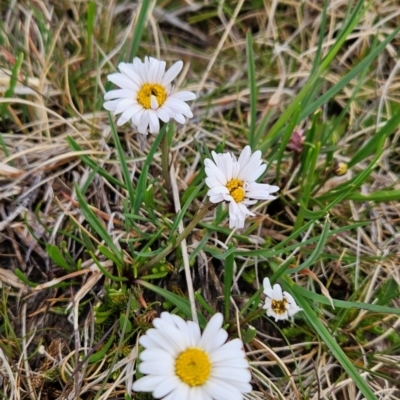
x=142, y=183
x=97, y=226
x=317, y=298
x=122, y=161
x=91, y=14
x=182, y=213
x=139, y=27
x=228, y=279
x=387, y=292
x=285, y=140
x=13, y=81
x=179, y=302
x=348, y=77
x=21, y=276
x=108, y=254
x=125, y=323
x=378, y=196
x=335, y=348
x=203, y=303
x=96, y=357
x=105, y=271
x=376, y=141
x=253, y=88
x=92, y=164
x=55, y=254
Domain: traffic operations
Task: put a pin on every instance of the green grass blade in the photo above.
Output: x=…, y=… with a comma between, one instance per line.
x=140, y=26
x=13, y=82
x=182, y=213
x=121, y=157
x=179, y=302
x=318, y=298
x=377, y=140
x=142, y=183
x=380, y=196
x=228, y=279
x=253, y=89
x=311, y=259
x=349, y=76
x=335, y=348
x=97, y=226
x=321, y=36
x=91, y=14
x=92, y=164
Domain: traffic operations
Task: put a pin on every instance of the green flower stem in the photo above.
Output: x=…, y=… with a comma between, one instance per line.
x=165, y=161
x=197, y=218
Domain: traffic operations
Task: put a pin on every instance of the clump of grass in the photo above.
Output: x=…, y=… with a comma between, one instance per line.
x=94, y=244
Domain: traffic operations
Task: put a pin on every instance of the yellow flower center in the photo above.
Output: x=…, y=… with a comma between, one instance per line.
x=279, y=306
x=193, y=367
x=235, y=187
x=151, y=89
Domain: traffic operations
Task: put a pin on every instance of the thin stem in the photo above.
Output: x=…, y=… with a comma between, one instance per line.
x=185, y=256
x=165, y=161
x=197, y=218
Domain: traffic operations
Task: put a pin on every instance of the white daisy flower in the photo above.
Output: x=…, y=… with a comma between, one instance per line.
x=280, y=305
x=235, y=181
x=181, y=363
x=146, y=95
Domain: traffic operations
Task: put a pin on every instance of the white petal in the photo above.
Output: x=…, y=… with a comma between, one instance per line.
x=229, y=354
x=119, y=93
x=123, y=105
x=172, y=73
x=213, y=182
x=194, y=333
x=230, y=373
x=157, y=71
x=221, y=390
x=268, y=303
x=267, y=287
x=130, y=71
x=144, y=122
x=154, y=354
x=122, y=81
x=128, y=114
x=184, y=96
x=244, y=210
x=277, y=292
x=155, y=367
x=166, y=387
x=154, y=122
x=212, y=170
x=163, y=115
x=256, y=173
x=245, y=156
x=147, y=383
x=181, y=392
x=212, y=330
x=247, y=170
x=111, y=105
x=153, y=102
x=218, y=190
x=179, y=118
x=177, y=106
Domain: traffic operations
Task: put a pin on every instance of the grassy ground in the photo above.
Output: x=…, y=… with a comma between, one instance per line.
x=88, y=231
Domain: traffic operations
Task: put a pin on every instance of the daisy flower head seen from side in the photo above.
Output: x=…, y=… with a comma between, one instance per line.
x=280, y=305
x=181, y=363
x=234, y=181
x=146, y=95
